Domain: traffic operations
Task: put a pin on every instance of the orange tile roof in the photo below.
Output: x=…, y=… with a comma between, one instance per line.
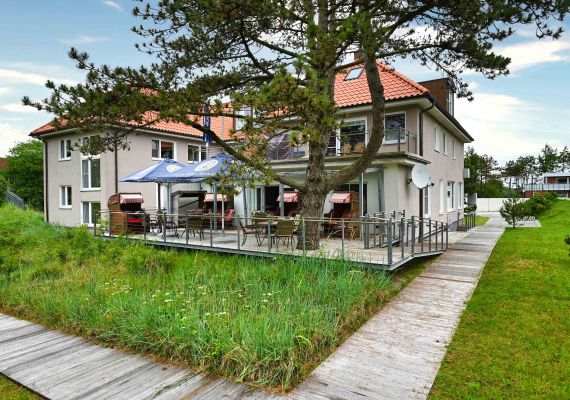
x=347, y=93
x=216, y=124
x=355, y=92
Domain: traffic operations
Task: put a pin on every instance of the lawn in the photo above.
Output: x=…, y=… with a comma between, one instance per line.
x=480, y=220
x=513, y=341
x=11, y=391
x=264, y=321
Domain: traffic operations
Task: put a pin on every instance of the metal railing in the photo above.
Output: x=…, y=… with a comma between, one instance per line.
x=467, y=222
x=14, y=199
x=547, y=187
x=344, y=144
x=378, y=241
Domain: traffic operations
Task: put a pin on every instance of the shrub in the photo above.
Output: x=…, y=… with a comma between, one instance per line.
x=539, y=204
x=513, y=210
x=3, y=188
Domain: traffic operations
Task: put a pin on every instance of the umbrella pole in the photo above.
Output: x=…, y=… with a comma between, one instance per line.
x=245, y=200
x=215, y=190
x=223, y=215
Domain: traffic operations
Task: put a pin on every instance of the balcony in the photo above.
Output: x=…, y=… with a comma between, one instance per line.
x=344, y=144
x=546, y=187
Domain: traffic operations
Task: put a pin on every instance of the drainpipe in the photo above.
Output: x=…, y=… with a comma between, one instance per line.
x=421, y=134
x=46, y=181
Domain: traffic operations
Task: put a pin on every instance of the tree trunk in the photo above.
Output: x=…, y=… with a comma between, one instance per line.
x=313, y=204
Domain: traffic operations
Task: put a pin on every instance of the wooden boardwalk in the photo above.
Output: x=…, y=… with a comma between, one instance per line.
x=59, y=366
x=397, y=353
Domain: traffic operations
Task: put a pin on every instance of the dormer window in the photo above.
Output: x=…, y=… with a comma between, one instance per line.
x=354, y=73
x=450, y=100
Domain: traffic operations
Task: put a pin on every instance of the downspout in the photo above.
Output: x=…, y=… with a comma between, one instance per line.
x=116, y=165
x=46, y=181
x=421, y=133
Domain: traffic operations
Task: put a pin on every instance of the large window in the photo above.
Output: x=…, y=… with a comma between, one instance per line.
x=441, y=196
x=162, y=149
x=450, y=196
x=65, y=197
x=90, y=169
x=65, y=149
x=395, y=125
x=90, y=173
x=89, y=212
x=437, y=139
x=460, y=195
x=351, y=138
x=427, y=201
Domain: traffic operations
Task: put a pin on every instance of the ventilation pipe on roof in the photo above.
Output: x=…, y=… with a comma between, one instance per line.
x=421, y=134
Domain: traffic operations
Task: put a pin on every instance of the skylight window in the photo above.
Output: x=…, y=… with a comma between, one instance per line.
x=353, y=73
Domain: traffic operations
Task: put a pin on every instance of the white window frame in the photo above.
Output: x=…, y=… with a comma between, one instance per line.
x=460, y=195
x=200, y=158
x=437, y=139
x=442, y=196
x=445, y=143
x=90, y=216
x=450, y=196
x=89, y=158
x=426, y=198
x=65, y=197
x=405, y=125
x=64, y=150
x=159, y=158
x=453, y=148
x=243, y=111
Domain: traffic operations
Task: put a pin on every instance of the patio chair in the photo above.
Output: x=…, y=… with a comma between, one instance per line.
x=284, y=232
x=195, y=225
x=249, y=230
x=167, y=224
x=358, y=148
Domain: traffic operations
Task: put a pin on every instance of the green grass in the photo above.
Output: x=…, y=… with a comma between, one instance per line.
x=11, y=391
x=480, y=220
x=513, y=341
x=267, y=322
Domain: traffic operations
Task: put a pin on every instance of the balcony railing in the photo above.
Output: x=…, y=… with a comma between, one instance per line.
x=345, y=144
x=546, y=187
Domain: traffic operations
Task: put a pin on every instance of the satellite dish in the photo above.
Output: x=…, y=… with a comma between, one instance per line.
x=420, y=176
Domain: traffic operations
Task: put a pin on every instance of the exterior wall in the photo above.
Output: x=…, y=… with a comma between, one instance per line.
x=137, y=157
x=444, y=167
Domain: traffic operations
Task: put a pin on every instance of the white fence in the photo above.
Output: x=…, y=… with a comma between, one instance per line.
x=491, y=204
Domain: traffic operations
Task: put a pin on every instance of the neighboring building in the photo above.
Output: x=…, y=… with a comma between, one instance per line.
x=420, y=130
x=555, y=182
x=2, y=163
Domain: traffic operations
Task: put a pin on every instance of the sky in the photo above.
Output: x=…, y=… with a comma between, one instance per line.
x=509, y=117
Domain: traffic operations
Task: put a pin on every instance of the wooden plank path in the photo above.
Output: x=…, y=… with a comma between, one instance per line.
x=397, y=353
x=60, y=366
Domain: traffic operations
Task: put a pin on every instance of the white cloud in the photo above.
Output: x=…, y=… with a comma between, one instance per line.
x=17, y=108
x=507, y=127
x=24, y=77
x=527, y=54
x=114, y=5
x=84, y=39
x=9, y=136
x=4, y=90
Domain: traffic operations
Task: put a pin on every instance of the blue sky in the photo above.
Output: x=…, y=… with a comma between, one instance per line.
x=510, y=116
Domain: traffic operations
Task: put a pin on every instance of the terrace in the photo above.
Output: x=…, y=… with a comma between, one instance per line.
x=384, y=241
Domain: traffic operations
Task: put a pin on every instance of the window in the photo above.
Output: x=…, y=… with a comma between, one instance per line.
x=244, y=111
x=162, y=149
x=450, y=195
x=445, y=143
x=441, y=196
x=65, y=149
x=450, y=101
x=354, y=73
x=395, y=124
x=460, y=195
x=89, y=212
x=437, y=139
x=453, y=148
x=91, y=173
x=426, y=200
x=194, y=153
x=65, y=197
x=204, y=152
